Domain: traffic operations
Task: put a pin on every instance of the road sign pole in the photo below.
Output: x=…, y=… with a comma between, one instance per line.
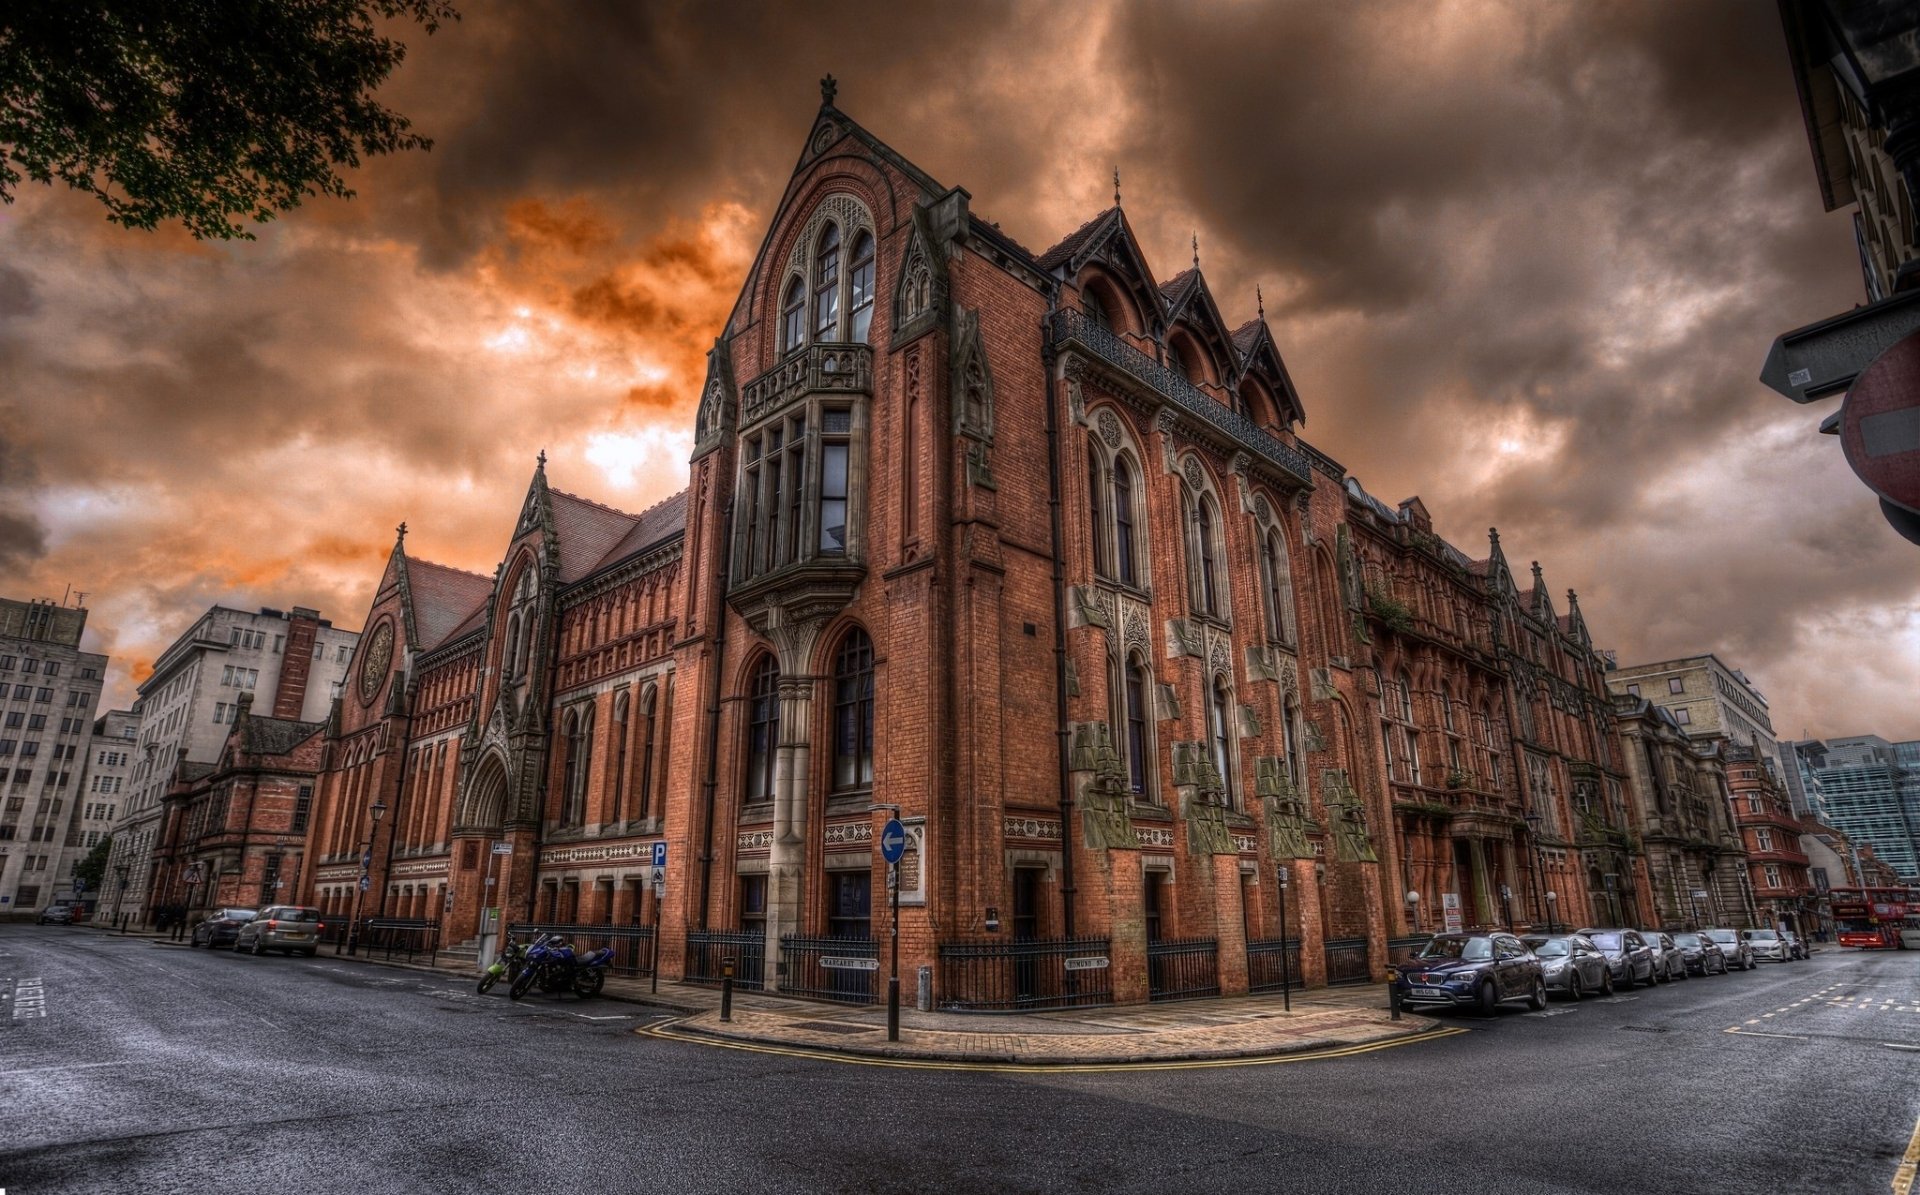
x=893, y=971
x=1286, y=971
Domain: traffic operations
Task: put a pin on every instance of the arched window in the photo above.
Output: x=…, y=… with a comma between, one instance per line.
x=1124, y=568
x=621, y=724
x=853, y=712
x=512, y=646
x=1289, y=730
x=1409, y=732
x=1492, y=739
x=763, y=730
x=1096, y=486
x=1220, y=737
x=649, y=718
x=1455, y=760
x=1277, y=573
x=793, y=316
x=1183, y=361
x=1137, y=752
x=1095, y=310
x=860, y=288
x=1206, y=593
x=826, y=285
x=579, y=729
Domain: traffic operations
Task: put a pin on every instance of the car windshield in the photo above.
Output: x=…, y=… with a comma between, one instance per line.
x=1463, y=948
x=239, y=914
x=1652, y=940
x=1721, y=935
x=1686, y=941
x=1607, y=941
x=1552, y=948
x=1762, y=935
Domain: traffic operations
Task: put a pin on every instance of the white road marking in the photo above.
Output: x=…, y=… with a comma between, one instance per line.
x=29, y=999
x=77, y=1066
x=1757, y=1033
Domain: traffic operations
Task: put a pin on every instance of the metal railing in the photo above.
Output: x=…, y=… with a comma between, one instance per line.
x=1037, y=973
x=407, y=937
x=1183, y=969
x=816, y=967
x=1067, y=324
x=633, y=952
x=1263, y=965
x=1401, y=949
x=707, y=950
x=1347, y=962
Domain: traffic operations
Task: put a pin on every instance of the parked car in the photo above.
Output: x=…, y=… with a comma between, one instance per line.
x=220, y=927
x=1700, y=954
x=1571, y=965
x=1628, y=956
x=282, y=927
x=1766, y=944
x=1479, y=971
x=1734, y=946
x=1667, y=963
x=58, y=914
x=1795, y=947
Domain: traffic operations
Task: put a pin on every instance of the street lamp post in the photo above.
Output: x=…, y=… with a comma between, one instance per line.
x=1413, y=908
x=1286, y=970
x=1506, y=907
x=120, y=872
x=1553, y=898
x=378, y=809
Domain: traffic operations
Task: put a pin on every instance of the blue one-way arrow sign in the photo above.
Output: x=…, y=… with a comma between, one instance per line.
x=893, y=840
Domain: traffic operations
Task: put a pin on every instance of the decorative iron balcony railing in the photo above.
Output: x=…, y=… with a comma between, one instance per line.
x=838, y=368
x=1066, y=326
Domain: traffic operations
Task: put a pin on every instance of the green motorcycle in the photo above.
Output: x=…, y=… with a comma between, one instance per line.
x=508, y=965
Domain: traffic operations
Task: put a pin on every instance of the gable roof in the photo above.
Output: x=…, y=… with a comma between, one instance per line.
x=1080, y=238
x=443, y=599
x=586, y=531
x=275, y=736
x=661, y=521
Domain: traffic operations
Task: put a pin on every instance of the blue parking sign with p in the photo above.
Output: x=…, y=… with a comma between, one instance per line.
x=659, y=854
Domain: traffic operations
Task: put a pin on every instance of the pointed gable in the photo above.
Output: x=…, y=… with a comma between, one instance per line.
x=1260, y=358
x=1108, y=242
x=444, y=599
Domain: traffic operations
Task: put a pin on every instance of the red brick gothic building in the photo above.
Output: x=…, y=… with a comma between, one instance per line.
x=1025, y=544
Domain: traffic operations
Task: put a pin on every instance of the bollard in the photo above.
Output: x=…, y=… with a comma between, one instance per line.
x=1393, y=998
x=726, y=989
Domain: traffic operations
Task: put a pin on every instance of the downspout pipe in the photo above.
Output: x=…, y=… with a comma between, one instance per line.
x=1062, y=733
x=725, y=550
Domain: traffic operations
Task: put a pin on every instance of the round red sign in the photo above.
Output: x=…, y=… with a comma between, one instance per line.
x=1880, y=424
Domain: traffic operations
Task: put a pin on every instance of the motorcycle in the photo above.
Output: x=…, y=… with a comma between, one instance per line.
x=555, y=968
x=508, y=966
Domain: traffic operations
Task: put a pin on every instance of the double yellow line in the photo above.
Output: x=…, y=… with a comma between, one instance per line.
x=666, y=1032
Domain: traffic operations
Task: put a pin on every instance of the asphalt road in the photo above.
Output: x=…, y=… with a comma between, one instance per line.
x=149, y=1068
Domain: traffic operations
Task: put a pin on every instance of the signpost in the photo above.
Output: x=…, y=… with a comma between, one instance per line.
x=893, y=845
x=659, y=893
x=1450, y=911
x=1286, y=969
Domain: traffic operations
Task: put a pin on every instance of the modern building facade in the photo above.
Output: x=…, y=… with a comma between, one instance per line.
x=1026, y=548
x=1872, y=796
x=291, y=662
x=103, y=790
x=49, y=689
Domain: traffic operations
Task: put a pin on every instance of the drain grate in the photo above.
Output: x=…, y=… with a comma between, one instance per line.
x=1645, y=1028
x=835, y=1027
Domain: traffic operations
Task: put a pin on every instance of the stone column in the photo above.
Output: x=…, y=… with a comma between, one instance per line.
x=786, y=876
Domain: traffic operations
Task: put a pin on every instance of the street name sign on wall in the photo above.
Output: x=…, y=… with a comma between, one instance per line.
x=503, y=848
x=1092, y=962
x=836, y=963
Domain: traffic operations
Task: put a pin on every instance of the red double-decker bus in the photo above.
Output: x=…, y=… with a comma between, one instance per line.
x=1877, y=918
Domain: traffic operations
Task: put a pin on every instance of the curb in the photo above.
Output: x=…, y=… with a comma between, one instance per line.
x=1311, y=1046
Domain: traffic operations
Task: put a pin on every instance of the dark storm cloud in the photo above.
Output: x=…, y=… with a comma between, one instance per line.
x=1522, y=258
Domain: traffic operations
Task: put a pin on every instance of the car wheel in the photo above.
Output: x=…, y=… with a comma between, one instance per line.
x=1537, y=999
x=1683, y=972
x=1573, y=986
x=1489, y=1002
x=1606, y=982
x=193, y=943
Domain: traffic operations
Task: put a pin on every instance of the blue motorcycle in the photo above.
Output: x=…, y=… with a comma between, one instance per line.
x=554, y=967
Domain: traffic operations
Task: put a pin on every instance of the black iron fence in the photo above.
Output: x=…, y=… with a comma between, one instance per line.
x=1399, y=950
x=406, y=937
x=1264, y=973
x=633, y=952
x=1039, y=973
x=1183, y=969
x=1347, y=961
x=708, y=950
x=842, y=969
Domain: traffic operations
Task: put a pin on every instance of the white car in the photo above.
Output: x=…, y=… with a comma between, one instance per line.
x=1766, y=944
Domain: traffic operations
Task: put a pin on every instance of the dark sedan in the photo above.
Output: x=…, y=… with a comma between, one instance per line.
x=1628, y=956
x=1702, y=954
x=221, y=927
x=1479, y=971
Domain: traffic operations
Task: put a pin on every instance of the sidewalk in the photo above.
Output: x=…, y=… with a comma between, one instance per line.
x=1244, y=1027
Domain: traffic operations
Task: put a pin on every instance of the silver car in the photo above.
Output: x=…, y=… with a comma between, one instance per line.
x=281, y=927
x=1733, y=947
x=1767, y=945
x=1627, y=955
x=1571, y=965
x=1668, y=963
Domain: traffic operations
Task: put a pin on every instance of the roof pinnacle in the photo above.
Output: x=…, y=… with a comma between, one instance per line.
x=1259, y=301
x=1196, y=250
x=829, y=86
x=1116, y=186
x=402, y=529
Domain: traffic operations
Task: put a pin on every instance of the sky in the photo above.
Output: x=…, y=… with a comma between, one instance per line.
x=1523, y=259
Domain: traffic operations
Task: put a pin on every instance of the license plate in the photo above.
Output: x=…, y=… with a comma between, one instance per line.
x=1428, y=992
x=296, y=937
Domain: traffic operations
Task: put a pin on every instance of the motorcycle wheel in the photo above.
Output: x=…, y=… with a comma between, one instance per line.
x=523, y=982
x=587, y=984
x=488, y=980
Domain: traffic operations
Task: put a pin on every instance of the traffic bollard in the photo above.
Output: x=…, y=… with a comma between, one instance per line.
x=726, y=990
x=1393, y=998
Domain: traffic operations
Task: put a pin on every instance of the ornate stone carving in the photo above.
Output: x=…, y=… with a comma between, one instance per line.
x=1092, y=607
x=1035, y=829
x=843, y=209
x=1250, y=722
x=1136, y=631
x=1109, y=427
x=1240, y=463
x=1323, y=689
x=1289, y=821
x=1347, y=815
x=1310, y=737
x=1207, y=832
x=1195, y=475
x=1185, y=638
x=373, y=666
x=1219, y=658
x=1169, y=703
